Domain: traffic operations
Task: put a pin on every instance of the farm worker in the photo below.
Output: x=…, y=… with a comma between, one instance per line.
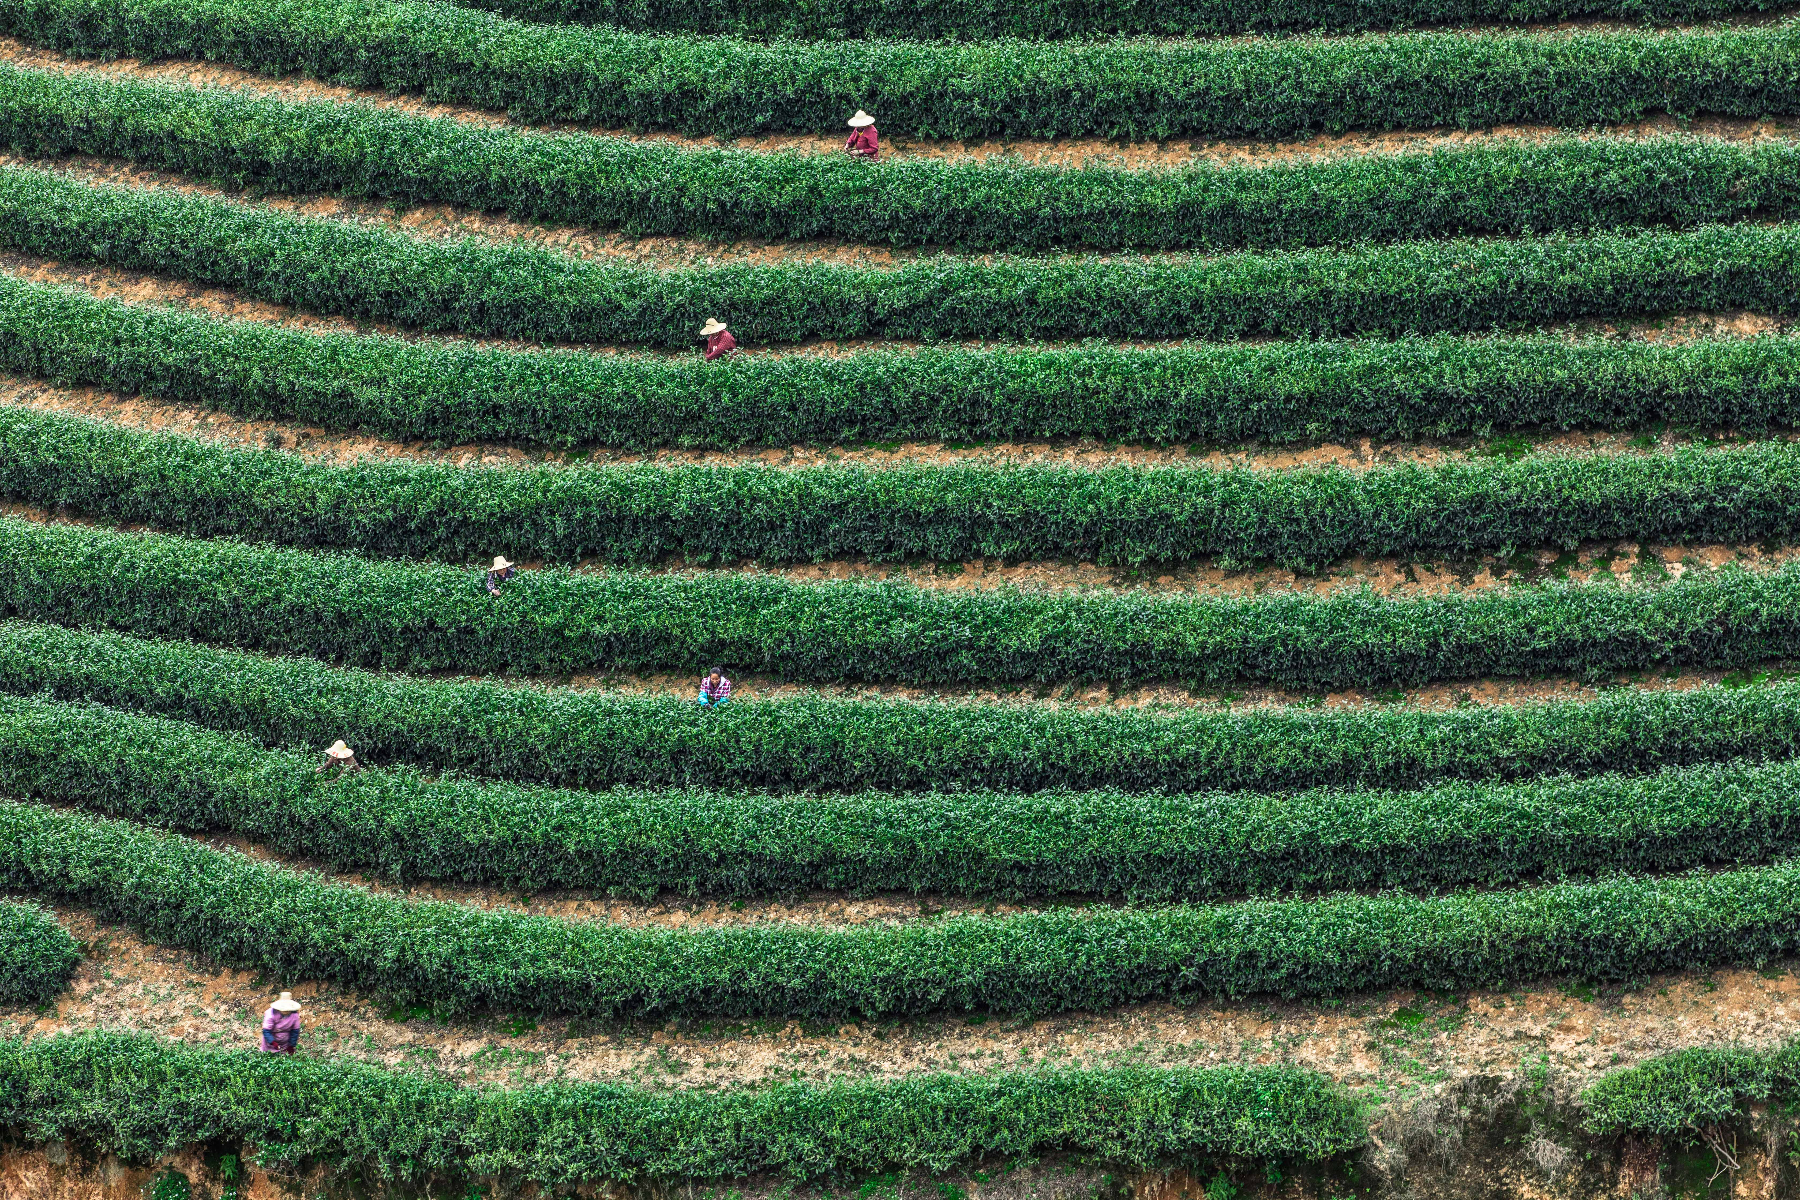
x=501, y=572
x=281, y=1025
x=715, y=689
x=863, y=141
x=341, y=757
x=718, y=339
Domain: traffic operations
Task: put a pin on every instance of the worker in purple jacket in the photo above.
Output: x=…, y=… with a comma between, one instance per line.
x=281, y=1025
x=715, y=689
x=863, y=142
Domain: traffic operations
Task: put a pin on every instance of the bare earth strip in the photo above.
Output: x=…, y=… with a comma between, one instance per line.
x=1054, y=152
x=1388, y=1045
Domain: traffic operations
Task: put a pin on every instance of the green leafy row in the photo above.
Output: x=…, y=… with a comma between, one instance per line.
x=644, y=513
x=599, y=739
x=1151, y=847
x=248, y=139
x=516, y=289
x=37, y=955
x=1680, y=1093
x=292, y=924
x=419, y=617
x=979, y=19
x=1138, y=88
x=1274, y=391
x=140, y=1096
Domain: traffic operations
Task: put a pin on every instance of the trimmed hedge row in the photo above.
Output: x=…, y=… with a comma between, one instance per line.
x=37, y=955
x=518, y=290
x=1207, y=846
x=645, y=513
x=416, y=617
x=821, y=743
x=1140, y=89
x=1438, y=386
x=979, y=19
x=140, y=1096
x=1678, y=1093
x=248, y=139
x=288, y=923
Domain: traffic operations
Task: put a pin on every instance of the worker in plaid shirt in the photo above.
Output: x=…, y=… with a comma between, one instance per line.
x=715, y=689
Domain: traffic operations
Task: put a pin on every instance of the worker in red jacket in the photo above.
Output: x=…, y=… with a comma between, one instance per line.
x=718, y=339
x=863, y=142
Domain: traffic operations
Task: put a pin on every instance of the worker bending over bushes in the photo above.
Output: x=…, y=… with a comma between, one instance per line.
x=864, y=142
x=340, y=758
x=281, y=1024
x=715, y=689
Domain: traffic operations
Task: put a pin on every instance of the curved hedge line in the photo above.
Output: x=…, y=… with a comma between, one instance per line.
x=650, y=512
x=1678, y=1093
x=1196, y=847
x=1141, y=89
x=1438, y=386
x=37, y=955
x=507, y=289
x=248, y=139
x=141, y=1096
x=182, y=893
x=415, y=617
x=987, y=19
x=598, y=739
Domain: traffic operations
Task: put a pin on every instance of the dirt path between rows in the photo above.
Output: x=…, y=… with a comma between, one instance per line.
x=1067, y=152
x=1388, y=1045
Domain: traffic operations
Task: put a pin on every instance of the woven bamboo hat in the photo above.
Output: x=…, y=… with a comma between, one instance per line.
x=500, y=562
x=286, y=1003
x=861, y=119
x=711, y=327
x=339, y=750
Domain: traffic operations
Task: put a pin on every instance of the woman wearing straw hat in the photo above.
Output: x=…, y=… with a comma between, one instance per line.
x=718, y=339
x=501, y=571
x=342, y=757
x=281, y=1025
x=863, y=141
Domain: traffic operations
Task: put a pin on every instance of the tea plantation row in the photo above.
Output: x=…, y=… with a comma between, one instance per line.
x=1275, y=391
x=1129, y=88
x=1141, y=847
x=511, y=289
x=645, y=513
x=418, y=617
x=814, y=742
x=183, y=894
x=246, y=139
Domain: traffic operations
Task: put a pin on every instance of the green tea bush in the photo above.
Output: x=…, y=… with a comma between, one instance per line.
x=1678, y=1093
x=520, y=290
x=246, y=139
x=288, y=923
x=1275, y=391
x=599, y=739
x=1150, y=847
x=37, y=955
x=977, y=19
x=426, y=618
x=649, y=512
x=1003, y=88
x=141, y=1096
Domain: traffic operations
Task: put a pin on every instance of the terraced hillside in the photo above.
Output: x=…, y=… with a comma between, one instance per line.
x=1255, y=545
